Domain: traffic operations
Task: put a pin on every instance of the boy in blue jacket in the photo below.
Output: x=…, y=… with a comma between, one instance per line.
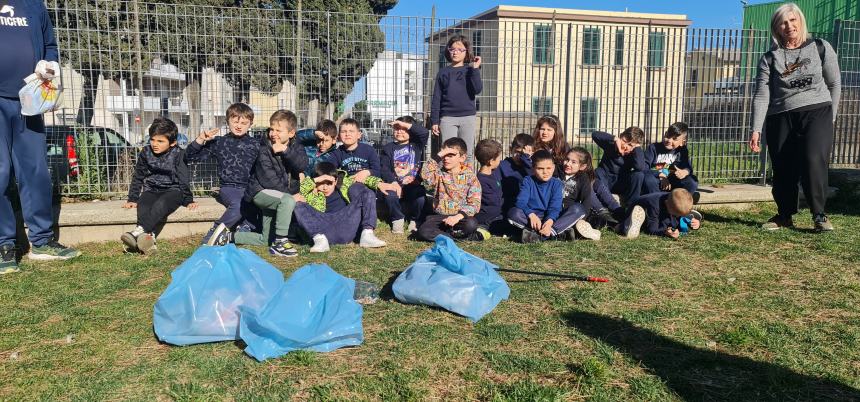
x=669, y=162
x=539, y=204
x=400, y=164
x=622, y=167
x=235, y=154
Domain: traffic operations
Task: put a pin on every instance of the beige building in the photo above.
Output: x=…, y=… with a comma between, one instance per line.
x=595, y=70
x=712, y=75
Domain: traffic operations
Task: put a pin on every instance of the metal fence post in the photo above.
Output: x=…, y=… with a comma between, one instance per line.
x=139, y=56
x=329, y=115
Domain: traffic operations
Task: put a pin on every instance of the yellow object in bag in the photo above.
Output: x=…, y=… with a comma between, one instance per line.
x=39, y=96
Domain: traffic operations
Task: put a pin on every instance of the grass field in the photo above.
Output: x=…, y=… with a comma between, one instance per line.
x=729, y=313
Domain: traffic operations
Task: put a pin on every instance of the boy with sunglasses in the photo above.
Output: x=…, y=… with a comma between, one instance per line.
x=456, y=194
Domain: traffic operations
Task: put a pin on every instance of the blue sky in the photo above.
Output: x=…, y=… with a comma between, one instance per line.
x=704, y=14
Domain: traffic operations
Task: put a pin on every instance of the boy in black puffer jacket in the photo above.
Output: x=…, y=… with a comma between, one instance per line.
x=274, y=179
x=160, y=185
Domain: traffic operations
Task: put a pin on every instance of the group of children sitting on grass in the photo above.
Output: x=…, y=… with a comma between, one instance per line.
x=290, y=187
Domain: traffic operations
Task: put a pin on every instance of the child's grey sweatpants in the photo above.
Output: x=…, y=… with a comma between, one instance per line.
x=464, y=127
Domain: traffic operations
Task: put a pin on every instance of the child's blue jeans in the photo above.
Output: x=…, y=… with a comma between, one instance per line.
x=565, y=221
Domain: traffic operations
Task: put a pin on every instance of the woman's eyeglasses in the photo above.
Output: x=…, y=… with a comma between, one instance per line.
x=456, y=50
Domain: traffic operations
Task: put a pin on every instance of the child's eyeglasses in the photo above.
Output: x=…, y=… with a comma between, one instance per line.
x=456, y=50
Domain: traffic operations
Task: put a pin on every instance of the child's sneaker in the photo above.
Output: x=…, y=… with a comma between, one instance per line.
x=484, y=233
x=8, y=264
x=129, y=239
x=585, y=230
x=369, y=240
x=637, y=217
x=397, y=226
x=530, y=236
x=208, y=236
x=52, y=251
x=413, y=227
x=320, y=244
x=221, y=236
x=283, y=248
x=696, y=215
x=146, y=243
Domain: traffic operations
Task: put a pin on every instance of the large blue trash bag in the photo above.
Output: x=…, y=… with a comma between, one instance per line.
x=202, y=302
x=314, y=310
x=448, y=277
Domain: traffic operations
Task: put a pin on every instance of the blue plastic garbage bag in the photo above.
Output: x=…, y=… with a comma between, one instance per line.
x=202, y=302
x=314, y=310
x=448, y=277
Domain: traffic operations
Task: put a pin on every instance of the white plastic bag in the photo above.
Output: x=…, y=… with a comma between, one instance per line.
x=39, y=96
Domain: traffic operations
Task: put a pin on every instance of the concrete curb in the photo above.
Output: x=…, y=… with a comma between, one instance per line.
x=100, y=221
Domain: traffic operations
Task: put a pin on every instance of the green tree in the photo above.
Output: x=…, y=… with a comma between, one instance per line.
x=95, y=37
x=251, y=43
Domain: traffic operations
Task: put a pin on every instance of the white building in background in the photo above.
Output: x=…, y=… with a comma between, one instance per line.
x=395, y=86
x=117, y=104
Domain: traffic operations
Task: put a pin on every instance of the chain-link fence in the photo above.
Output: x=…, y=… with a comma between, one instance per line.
x=127, y=62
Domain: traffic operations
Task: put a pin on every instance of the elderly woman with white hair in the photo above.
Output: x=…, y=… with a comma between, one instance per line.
x=796, y=99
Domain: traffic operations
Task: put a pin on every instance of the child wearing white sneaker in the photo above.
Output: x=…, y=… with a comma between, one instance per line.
x=160, y=186
x=659, y=214
x=578, y=174
x=333, y=208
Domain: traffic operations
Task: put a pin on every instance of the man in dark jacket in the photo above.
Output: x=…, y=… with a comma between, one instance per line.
x=275, y=178
x=28, y=46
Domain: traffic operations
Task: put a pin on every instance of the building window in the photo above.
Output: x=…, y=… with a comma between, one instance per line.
x=619, y=47
x=657, y=49
x=588, y=115
x=694, y=78
x=541, y=105
x=591, y=46
x=543, y=51
x=477, y=39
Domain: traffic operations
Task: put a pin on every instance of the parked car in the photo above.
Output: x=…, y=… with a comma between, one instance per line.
x=64, y=140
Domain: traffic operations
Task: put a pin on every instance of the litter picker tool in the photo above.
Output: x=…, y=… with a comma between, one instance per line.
x=583, y=278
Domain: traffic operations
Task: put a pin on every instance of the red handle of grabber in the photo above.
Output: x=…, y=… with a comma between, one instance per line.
x=596, y=279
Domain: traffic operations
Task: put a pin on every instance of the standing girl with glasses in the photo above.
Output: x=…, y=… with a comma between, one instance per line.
x=453, y=110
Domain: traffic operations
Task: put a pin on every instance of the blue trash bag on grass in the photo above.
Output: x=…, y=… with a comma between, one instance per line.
x=446, y=276
x=202, y=302
x=314, y=310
